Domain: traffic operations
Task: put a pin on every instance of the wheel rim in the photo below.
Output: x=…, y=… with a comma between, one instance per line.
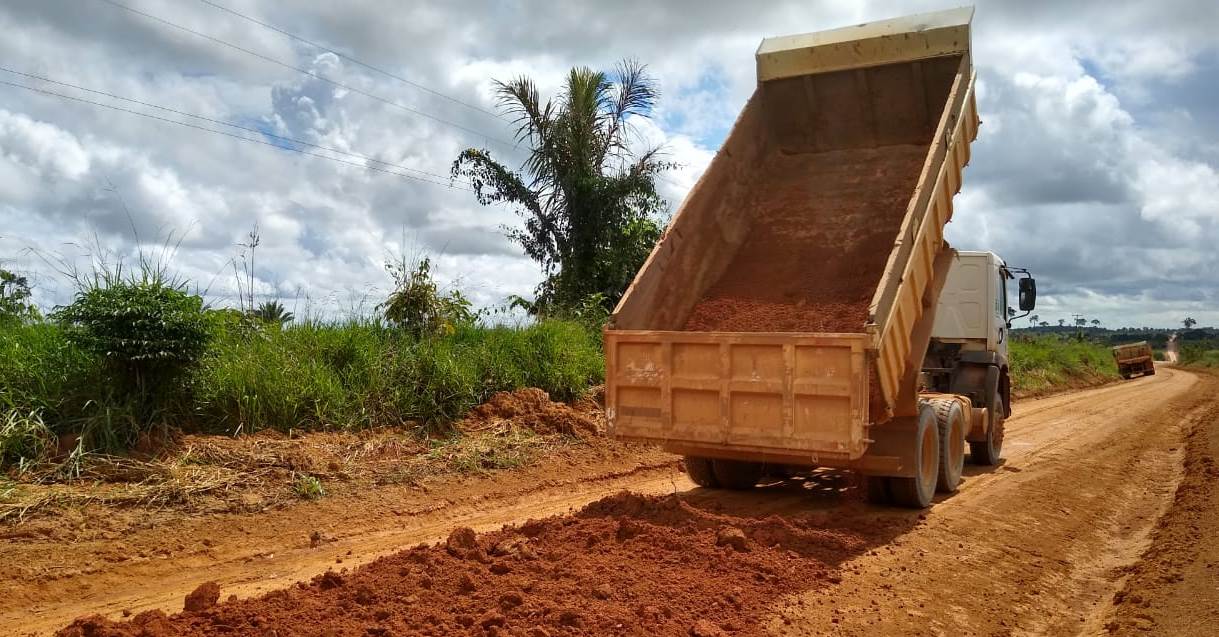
x=928, y=468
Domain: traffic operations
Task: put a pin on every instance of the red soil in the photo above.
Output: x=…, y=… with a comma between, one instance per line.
x=822, y=228
x=627, y=564
x=531, y=408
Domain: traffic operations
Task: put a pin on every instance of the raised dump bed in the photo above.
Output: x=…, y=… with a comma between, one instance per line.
x=776, y=318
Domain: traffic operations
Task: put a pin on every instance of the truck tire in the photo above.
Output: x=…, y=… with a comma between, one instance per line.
x=700, y=471
x=916, y=492
x=987, y=452
x=736, y=474
x=951, y=422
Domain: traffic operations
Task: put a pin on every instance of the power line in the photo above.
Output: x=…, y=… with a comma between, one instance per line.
x=350, y=58
x=224, y=123
x=233, y=135
x=309, y=73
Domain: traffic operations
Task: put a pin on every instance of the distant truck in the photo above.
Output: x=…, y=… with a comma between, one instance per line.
x=1134, y=358
x=803, y=308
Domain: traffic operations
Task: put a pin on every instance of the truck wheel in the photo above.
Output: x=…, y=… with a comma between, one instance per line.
x=951, y=423
x=916, y=492
x=987, y=452
x=736, y=474
x=700, y=471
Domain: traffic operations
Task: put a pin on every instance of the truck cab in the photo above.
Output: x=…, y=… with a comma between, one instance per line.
x=968, y=351
x=973, y=308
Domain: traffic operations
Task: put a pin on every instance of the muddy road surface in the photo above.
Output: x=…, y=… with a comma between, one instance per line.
x=1043, y=544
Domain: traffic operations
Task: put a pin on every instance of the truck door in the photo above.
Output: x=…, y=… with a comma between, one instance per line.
x=1000, y=331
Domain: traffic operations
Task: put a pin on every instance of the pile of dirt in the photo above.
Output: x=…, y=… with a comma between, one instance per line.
x=822, y=227
x=531, y=408
x=626, y=564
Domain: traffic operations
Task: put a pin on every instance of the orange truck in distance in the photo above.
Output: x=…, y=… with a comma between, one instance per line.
x=1134, y=358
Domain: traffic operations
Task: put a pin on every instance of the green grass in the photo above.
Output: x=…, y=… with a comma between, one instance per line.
x=303, y=377
x=1200, y=355
x=1049, y=363
x=308, y=487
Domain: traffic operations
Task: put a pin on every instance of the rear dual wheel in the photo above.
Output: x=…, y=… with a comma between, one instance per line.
x=950, y=420
x=727, y=474
x=915, y=492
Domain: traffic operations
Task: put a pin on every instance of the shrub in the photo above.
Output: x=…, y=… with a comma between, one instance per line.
x=139, y=326
x=418, y=306
x=143, y=331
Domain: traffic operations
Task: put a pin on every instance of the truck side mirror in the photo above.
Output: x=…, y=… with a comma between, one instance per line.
x=1028, y=294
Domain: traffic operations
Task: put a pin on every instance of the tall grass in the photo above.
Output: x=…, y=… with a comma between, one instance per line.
x=1200, y=354
x=303, y=377
x=1048, y=363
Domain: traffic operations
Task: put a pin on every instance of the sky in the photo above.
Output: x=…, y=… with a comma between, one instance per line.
x=1095, y=166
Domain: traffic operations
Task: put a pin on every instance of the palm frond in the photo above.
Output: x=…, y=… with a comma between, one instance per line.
x=636, y=94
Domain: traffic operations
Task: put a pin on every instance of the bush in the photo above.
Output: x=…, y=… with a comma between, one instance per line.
x=144, y=332
x=139, y=326
x=418, y=306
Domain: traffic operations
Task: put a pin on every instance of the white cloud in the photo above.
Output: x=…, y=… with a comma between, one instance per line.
x=1078, y=164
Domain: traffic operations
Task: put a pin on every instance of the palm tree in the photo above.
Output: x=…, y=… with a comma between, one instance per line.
x=1062, y=322
x=1095, y=322
x=589, y=202
x=272, y=312
x=1189, y=322
x=1033, y=319
x=1044, y=324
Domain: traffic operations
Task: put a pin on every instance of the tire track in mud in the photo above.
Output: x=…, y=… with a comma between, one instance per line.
x=1037, y=546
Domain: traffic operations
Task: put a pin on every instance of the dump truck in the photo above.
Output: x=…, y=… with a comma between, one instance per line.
x=1134, y=359
x=803, y=309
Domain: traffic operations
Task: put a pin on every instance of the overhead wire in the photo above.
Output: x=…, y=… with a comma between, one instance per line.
x=232, y=135
x=351, y=59
x=312, y=74
x=224, y=123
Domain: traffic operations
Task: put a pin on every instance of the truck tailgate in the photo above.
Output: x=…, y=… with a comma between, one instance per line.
x=788, y=396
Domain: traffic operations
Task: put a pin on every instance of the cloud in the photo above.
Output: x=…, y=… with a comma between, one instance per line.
x=1095, y=165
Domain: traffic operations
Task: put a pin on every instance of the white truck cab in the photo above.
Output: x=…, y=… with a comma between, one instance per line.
x=973, y=308
x=968, y=353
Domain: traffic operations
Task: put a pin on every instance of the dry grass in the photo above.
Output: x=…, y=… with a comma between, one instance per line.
x=115, y=481
x=228, y=470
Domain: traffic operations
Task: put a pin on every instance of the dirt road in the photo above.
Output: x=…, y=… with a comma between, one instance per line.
x=1039, y=545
